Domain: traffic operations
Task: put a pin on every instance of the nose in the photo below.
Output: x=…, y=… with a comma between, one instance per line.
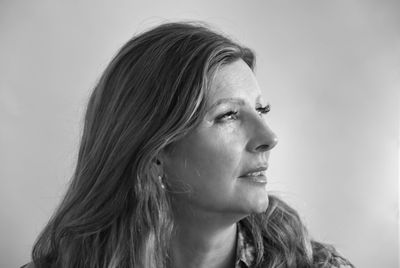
x=262, y=137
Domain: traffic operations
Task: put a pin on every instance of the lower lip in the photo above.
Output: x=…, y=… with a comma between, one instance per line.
x=258, y=179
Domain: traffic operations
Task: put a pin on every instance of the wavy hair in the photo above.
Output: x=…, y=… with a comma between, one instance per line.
x=115, y=213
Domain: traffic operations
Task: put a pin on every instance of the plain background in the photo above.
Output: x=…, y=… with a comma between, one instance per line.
x=330, y=70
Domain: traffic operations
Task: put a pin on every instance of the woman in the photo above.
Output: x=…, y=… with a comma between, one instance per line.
x=171, y=167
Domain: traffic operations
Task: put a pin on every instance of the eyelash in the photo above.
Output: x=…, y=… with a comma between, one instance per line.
x=261, y=110
x=264, y=110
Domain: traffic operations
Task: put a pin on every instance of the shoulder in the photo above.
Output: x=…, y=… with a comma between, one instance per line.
x=326, y=254
x=28, y=265
x=340, y=262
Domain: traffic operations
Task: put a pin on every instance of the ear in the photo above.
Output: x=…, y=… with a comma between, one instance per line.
x=158, y=163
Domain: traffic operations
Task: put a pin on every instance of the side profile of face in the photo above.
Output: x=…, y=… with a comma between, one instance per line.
x=209, y=167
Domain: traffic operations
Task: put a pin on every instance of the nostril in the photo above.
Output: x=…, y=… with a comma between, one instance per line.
x=264, y=147
x=263, y=139
x=267, y=145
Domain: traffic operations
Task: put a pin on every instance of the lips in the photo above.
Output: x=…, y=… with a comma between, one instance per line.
x=258, y=171
x=256, y=174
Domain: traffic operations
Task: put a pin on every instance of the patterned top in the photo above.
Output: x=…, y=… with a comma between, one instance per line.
x=245, y=252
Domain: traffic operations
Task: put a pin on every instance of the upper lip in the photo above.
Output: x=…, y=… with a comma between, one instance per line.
x=256, y=169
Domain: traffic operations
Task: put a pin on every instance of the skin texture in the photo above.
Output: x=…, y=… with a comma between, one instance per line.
x=208, y=161
x=203, y=170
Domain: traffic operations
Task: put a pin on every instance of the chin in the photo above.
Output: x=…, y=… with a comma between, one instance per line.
x=252, y=204
x=260, y=206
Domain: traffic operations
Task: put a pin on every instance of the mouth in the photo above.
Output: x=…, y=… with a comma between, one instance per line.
x=256, y=175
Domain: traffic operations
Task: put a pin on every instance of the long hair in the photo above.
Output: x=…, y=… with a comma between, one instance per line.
x=115, y=213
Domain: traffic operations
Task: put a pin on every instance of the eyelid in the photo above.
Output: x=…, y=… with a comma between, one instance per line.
x=262, y=109
x=228, y=113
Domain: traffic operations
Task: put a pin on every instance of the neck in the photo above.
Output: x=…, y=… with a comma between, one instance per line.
x=202, y=240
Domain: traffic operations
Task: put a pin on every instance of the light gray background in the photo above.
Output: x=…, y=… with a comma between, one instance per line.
x=329, y=68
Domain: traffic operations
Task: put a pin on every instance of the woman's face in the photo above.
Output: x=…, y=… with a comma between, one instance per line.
x=208, y=168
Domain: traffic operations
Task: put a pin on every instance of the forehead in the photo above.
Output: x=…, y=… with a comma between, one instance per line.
x=234, y=80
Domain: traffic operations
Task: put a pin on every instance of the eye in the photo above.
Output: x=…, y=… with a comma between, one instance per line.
x=263, y=110
x=231, y=115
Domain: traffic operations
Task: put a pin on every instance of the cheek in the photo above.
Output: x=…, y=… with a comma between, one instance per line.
x=207, y=162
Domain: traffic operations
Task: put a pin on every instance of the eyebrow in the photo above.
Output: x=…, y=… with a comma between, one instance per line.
x=239, y=101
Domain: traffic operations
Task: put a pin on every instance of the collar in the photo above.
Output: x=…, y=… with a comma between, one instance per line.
x=245, y=251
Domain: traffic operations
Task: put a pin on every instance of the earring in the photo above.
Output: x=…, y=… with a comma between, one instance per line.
x=161, y=182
